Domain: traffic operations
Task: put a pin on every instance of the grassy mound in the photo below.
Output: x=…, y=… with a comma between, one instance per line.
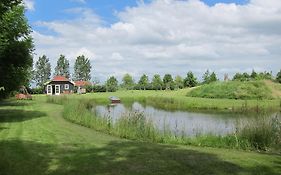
x=237, y=90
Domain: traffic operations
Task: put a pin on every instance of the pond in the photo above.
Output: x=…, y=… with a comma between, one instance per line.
x=178, y=122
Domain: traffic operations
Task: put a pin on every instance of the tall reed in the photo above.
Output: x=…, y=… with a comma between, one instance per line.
x=261, y=133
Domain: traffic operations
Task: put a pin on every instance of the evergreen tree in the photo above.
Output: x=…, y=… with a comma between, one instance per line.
x=157, y=82
x=278, y=77
x=190, y=80
x=82, y=69
x=62, y=67
x=206, y=77
x=254, y=75
x=42, y=71
x=213, y=77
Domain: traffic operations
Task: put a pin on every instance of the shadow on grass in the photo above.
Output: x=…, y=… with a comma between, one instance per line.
x=8, y=112
x=17, y=115
x=23, y=157
x=12, y=102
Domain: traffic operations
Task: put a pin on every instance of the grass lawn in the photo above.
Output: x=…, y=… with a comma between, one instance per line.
x=35, y=139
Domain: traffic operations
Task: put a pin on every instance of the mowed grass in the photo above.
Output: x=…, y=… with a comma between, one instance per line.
x=35, y=139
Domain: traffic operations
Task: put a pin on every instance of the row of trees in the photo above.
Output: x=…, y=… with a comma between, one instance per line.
x=157, y=83
x=42, y=70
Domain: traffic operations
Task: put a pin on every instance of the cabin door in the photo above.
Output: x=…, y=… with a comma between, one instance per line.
x=57, y=89
x=49, y=89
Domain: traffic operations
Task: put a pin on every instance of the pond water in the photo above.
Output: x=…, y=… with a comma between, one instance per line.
x=179, y=122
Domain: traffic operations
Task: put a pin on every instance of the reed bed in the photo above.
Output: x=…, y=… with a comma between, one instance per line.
x=258, y=134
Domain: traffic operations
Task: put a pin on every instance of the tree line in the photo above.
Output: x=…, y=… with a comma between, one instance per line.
x=178, y=82
x=42, y=70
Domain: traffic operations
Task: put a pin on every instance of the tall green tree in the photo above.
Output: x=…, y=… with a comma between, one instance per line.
x=143, y=82
x=278, y=77
x=254, y=75
x=168, y=81
x=213, y=77
x=157, y=83
x=206, y=77
x=127, y=81
x=42, y=71
x=16, y=47
x=190, y=80
x=111, y=84
x=62, y=67
x=82, y=69
x=178, y=82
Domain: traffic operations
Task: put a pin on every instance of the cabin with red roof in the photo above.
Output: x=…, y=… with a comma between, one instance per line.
x=59, y=85
x=81, y=86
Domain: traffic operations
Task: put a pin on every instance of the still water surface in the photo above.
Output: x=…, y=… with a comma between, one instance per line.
x=179, y=122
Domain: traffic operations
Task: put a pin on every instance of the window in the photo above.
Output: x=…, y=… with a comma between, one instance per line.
x=66, y=86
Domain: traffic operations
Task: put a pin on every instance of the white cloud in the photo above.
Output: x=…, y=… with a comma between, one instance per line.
x=29, y=4
x=169, y=36
x=79, y=1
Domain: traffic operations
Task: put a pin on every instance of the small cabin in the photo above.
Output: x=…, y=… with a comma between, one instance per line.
x=81, y=86
x=59, y=85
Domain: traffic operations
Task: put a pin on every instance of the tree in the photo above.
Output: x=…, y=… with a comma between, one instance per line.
x=168, y=81
x=128, y=81
x=82, y=69
x=42, y=71
x=242, y=77
x=62, y=67
x=213, y=77
x=190, y=80
x=206, y=77
x=16, y=47
x=278, y=77
x=111, y=84
x=157, y=82
x=178, y=82
x=254, y=75
x=143, y=82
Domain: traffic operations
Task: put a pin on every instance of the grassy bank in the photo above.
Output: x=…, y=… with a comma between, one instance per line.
x=259, y=134
x=35, y=139
x=177, y=100
x=238, y=90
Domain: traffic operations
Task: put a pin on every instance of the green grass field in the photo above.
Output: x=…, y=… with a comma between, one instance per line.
x=35, y=139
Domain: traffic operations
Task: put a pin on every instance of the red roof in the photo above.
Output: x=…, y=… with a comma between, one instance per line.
x=82, y=83
x=60, y=78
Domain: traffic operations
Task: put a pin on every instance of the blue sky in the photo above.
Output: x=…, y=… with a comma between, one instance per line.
x=54, y=9
x=159, y=36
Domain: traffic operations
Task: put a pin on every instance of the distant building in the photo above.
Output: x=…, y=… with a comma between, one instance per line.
x=59, y=85
x=81, y=86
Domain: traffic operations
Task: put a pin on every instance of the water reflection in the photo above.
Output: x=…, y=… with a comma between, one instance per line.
x=178, y=122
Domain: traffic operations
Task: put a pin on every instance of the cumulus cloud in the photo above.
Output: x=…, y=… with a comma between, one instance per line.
x=171, y=36
x=29, y=4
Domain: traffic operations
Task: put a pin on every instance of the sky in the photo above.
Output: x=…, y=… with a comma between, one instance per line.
x=159, y=36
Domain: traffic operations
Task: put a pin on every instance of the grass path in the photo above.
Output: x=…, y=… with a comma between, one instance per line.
x=35, y=139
